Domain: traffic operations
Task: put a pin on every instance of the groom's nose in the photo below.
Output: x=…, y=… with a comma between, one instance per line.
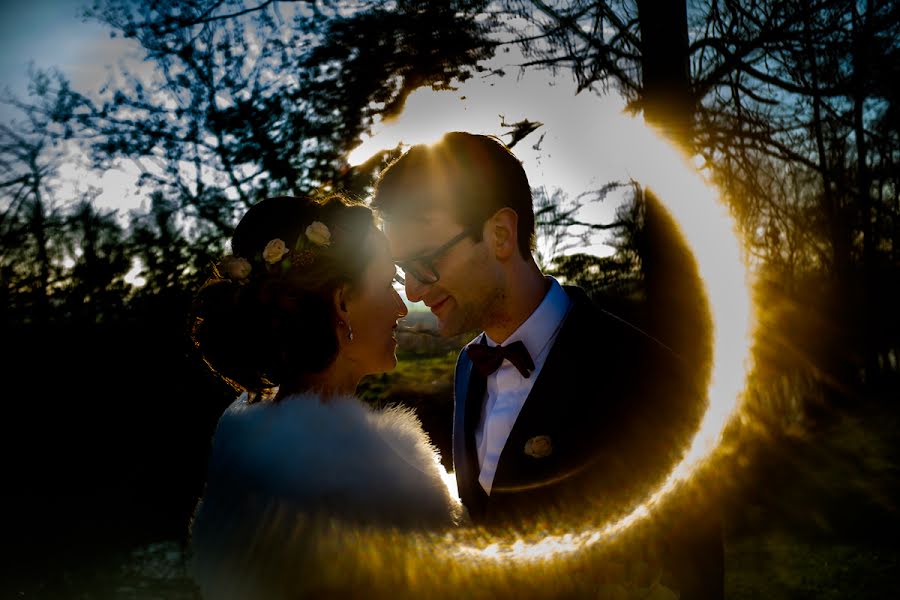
x=415, y=289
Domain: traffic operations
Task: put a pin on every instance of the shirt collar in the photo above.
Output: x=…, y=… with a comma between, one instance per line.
x=539, y=327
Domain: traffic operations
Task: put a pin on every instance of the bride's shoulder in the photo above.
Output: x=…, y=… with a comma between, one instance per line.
x=303, y=425
x=308, y=415
x=399, y=421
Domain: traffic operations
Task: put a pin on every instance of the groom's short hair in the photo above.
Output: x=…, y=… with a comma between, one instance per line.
x=474, y=175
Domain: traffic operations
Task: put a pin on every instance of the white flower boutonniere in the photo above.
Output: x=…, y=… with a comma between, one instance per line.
x=318, y=233
x=274, y=251
x=539, y=446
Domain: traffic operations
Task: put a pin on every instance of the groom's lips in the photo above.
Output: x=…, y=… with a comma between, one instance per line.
x=435, y=308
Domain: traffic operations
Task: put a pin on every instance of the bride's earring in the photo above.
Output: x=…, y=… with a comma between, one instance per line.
x=349, y=329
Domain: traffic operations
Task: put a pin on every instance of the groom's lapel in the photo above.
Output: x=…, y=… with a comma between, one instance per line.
x=469, y=388
x=556, y=402
x=587, y=379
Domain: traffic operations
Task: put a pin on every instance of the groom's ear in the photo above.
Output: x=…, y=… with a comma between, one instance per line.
x=502, y=233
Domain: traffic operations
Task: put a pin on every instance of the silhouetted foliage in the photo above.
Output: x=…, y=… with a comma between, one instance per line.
x=30, y=223
x=789, y=104
x=96, y=286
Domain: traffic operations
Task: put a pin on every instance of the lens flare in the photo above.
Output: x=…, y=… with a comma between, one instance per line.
x=708, y=230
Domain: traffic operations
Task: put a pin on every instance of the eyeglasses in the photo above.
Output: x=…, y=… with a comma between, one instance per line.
x=422, y=267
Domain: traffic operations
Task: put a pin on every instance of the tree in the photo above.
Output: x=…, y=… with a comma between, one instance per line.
x=783, y=100
x=30, y=259
x=96, y=286
x=268, y=99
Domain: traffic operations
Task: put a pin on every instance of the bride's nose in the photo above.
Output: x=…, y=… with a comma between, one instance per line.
x=402, y=310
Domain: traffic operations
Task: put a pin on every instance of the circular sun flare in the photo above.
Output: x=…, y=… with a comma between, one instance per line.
x=708, y=231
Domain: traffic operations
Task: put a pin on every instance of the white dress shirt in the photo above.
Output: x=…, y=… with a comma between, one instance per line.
x=507, y=390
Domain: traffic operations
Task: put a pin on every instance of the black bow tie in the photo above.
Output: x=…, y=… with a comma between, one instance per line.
x=487, y=359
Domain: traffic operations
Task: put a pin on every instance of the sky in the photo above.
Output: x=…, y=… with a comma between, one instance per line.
x=51, y=33
x=581, y=136
x=573, y=151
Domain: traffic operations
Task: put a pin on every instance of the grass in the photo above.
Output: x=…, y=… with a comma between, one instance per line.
x=417, y=376
x=819, y=517
x=780, y=564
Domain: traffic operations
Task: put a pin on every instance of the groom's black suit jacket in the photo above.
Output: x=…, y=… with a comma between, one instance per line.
x=614, y=403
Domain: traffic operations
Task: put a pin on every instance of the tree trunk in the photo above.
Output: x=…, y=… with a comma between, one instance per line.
x=834, y=362
x=38, y=225
x=863, y=184
x=91, y=263
x=665, y=69
x=673, y=295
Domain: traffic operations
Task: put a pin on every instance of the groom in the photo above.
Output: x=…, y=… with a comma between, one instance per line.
x=561, y=409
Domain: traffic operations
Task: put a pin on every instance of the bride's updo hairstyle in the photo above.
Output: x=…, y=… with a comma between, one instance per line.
x=267, y=311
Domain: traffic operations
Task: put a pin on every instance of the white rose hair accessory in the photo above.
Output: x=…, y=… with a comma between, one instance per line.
x=274, y=251
x=318, y=234
x=276, y=256
x=235, y=268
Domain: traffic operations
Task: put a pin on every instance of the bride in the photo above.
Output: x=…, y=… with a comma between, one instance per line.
x=302, y=309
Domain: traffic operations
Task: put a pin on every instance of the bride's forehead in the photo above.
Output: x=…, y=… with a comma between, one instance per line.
x=378, y=246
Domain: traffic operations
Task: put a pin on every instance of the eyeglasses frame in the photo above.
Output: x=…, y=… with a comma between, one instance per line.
x=429, y=258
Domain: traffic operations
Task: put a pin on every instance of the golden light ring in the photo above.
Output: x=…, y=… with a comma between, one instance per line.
x=710, y=233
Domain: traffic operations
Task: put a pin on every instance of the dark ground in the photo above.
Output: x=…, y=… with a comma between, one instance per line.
x=98, y=507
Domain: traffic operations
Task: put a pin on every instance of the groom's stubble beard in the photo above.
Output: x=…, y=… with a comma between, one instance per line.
x=474, y=316
x=482, y=308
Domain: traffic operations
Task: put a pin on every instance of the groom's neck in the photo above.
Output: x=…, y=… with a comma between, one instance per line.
x=525, y=290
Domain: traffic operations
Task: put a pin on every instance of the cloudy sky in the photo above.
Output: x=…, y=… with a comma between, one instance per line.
x=51, y=33
x=579, y=152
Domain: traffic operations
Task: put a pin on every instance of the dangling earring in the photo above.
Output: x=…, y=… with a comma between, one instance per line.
x=349, y=329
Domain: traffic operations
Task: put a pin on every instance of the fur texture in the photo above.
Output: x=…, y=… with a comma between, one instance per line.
x=273, y=466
